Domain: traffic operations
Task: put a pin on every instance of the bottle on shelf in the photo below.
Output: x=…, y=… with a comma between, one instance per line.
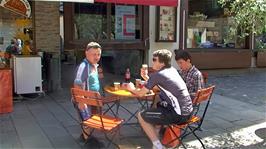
x=127, y=75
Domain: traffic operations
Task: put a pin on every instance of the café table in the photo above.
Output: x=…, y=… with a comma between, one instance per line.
x=124, y=95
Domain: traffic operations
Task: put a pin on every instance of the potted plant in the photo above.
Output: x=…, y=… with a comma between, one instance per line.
x=249, y=20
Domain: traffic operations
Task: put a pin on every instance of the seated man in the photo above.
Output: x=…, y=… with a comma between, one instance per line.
x=175, y=105
x=190, y=74
x=87, y=77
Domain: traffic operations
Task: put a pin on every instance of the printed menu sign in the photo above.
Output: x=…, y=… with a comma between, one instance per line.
x=166, y=24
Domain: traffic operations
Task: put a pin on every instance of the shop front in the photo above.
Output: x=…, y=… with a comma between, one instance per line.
x=121, y=29
x=15, y=22
x=205, y=32
x=33, y=26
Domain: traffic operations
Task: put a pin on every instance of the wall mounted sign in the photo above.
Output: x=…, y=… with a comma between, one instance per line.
x=125, y=17
x=166, y=24
x=18, y=6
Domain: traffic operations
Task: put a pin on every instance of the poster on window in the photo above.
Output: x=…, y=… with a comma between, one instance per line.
x=166, y=24
x=125, y=22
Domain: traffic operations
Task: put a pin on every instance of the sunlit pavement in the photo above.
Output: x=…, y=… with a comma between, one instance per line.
x=236, y=117
x=249, y=137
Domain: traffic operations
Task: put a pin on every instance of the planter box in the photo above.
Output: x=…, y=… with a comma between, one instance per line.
x=261, y=59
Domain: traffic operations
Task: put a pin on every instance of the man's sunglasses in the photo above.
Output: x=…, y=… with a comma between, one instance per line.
x=154, y=59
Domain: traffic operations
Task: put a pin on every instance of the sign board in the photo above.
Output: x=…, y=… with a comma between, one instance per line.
x=125, y=17
x=205, y=24
x=18, y=6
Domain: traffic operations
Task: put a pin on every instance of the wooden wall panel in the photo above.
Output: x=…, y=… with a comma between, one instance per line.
x=222, y=59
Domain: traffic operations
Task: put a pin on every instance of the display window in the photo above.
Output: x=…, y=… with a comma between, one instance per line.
x=101, y=22
x=208, y=26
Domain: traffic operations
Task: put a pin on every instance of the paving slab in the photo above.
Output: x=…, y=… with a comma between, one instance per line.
x=29, y=131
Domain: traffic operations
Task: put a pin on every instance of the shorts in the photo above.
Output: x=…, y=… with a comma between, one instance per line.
x=163, y=116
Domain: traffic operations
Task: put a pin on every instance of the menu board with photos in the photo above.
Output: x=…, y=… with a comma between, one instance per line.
x=166, y=24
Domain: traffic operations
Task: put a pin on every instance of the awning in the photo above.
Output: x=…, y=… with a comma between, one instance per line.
x=173, y=3
x=76, y=1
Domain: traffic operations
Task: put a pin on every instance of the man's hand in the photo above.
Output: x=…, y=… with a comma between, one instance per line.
x=131, y=86
x=144, y=74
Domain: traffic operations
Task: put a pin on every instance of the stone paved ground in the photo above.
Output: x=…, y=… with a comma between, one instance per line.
x=247, y=85
x=235, y=118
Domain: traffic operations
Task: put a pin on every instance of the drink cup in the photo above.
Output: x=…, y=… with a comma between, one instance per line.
x=145, y=68
x=137, y=83
x=124, y=85
x=116, y=85
x=142, y=83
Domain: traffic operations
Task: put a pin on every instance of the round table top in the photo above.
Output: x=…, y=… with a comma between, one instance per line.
x=122, y=92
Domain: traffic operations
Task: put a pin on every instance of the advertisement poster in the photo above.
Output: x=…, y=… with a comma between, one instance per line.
x=125, y=17
x=166, y=24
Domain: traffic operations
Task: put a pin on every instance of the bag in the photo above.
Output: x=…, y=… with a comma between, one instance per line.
x=169, y=136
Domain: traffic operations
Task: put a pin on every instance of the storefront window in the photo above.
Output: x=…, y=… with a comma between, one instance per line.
x=208, y=26
x=14, y=26
x=90, y=21
x=125, y=22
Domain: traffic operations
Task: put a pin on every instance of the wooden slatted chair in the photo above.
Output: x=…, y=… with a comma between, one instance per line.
x=195, y=122
x=98, y=121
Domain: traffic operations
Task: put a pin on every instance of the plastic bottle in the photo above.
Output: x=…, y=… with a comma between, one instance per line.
x=127, y=75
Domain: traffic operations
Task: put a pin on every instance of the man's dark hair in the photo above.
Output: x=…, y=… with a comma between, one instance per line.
x=182, y=54
x=164, y=56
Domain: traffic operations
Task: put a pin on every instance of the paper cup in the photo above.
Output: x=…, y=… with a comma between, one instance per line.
x=116, y=85
x=137, y=83
x=145, y=68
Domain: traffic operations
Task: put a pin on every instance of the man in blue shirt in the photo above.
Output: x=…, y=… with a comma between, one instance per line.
x=87, y=76
x=175, y=105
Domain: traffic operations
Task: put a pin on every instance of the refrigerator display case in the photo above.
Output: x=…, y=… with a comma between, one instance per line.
x=27, y=74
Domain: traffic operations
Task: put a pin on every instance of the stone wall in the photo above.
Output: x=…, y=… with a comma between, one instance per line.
x=46, y=24
x=46, y=18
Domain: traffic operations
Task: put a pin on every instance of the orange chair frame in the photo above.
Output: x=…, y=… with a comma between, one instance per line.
x=195, y=122
x=99, y=120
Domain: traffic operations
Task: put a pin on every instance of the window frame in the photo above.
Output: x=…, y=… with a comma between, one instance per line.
x=107, y=44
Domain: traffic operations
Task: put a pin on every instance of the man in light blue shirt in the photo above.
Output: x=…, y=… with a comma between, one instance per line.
x=87, y=77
